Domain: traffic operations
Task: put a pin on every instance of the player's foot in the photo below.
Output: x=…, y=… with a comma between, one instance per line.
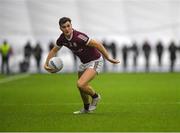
x=82, y=111
x=94, y=103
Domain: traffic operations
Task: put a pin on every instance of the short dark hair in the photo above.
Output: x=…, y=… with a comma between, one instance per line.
x=64, y=20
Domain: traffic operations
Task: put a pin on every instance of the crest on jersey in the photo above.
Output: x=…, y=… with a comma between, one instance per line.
x=74, y=44
x=70, y=44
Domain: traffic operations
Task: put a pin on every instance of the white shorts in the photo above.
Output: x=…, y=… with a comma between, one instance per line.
x=97, y=65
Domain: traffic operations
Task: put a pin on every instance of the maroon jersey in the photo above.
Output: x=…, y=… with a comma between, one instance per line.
x=78, y=45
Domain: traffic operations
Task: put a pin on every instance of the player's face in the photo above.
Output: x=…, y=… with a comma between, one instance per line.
x=66, y=28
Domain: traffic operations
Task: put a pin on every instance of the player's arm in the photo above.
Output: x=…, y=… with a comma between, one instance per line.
x=51, y=54
x=101, y=48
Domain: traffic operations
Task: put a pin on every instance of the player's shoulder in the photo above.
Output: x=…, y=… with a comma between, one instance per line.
x=76, y=32
x=60, y=40
x=61, y=37
x=81, y=35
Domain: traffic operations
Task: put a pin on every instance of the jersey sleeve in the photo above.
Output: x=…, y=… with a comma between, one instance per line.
x=59, y=42
x=83, y=38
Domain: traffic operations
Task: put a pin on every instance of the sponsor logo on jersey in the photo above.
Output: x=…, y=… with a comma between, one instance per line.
x=82, y=37
x=65, y=44
x=78, y=51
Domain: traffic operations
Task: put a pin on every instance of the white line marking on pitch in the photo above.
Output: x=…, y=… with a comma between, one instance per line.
x=13, y=78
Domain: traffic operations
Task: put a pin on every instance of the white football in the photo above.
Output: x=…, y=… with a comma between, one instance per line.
x=56, y=63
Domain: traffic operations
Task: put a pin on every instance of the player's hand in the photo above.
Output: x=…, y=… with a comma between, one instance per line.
x=114, y=61
x=49, y=69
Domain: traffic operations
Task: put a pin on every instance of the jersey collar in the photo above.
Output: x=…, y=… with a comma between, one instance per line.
x=70, y=36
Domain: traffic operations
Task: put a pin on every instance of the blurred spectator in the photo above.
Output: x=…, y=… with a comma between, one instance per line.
x=147, y=50
x=125, y=55
x=172, y=51
x=134, y=48
x=38, y=54
x=27, y=52
x=112, y=47
x=23, y=66
x=159, y=50
x=6, y=51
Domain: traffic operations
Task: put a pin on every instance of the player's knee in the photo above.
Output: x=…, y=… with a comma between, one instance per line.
x=80, y=85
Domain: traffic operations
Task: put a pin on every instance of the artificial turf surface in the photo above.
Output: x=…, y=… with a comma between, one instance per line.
x=130, y=102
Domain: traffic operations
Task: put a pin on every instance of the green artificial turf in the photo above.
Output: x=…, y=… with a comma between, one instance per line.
x=130, y=102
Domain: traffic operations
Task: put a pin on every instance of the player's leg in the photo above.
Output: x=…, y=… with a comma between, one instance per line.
x=85, y=89
x=83, y=85
x=83, y=81
x=87, y=72
x=85, y=97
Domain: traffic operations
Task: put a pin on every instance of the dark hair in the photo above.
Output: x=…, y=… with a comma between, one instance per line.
x=64, y=20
